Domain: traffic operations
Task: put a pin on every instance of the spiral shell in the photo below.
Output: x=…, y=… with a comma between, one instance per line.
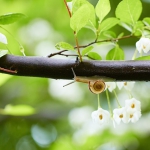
x=97, y=86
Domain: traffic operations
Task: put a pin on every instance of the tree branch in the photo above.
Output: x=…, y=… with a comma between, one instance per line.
x=61, y=68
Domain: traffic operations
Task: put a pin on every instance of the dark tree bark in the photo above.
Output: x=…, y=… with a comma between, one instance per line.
x=61, y=68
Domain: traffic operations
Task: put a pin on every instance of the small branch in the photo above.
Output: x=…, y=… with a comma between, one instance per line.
x=75, y=36
x=108, y=40
x=67, y=8
x=7, y=70
x=57, y=53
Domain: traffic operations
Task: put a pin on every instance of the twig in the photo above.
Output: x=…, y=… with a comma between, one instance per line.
x=75, y=35
x=7, y=70
x=108, y=40
x=57, y=53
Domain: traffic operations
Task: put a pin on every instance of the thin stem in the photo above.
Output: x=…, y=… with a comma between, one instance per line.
x=129, y=94
x=108, y=40
x=134, y=55
x=78, y=49
x=76, y=39
x=98, y=97
x=117, y=99
x=68, y=8
x=7, y=70
x=108, y=100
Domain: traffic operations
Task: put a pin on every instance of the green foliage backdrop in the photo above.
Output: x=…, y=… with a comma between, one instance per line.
x=60, y=118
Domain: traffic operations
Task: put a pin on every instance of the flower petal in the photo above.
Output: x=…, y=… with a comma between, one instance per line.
x=3, y=39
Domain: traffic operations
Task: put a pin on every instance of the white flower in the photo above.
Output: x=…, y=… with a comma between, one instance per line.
x=133, y=115
x=111, y=86
x=133, y=104
x=101, y=116
x=127, y=85
x=3, y=38
x=143, y=45
x=120, y=114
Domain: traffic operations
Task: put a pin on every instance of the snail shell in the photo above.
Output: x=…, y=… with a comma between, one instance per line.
x=97, y=87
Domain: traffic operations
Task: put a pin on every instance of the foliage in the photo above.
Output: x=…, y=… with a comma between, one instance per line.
x=41, y=107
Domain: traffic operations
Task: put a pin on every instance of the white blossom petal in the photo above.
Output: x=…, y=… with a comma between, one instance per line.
x=143, y=45
x=120, y=114
x=133, y=115
x=111, y=86
x=133, y=104
x=101, y=116
x=120, y=85
x=3, y=39
x=129, y=85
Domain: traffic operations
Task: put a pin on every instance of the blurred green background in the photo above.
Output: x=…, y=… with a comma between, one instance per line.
x=63, y=115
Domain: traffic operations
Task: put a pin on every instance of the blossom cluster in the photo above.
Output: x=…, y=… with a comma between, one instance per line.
x=131, y=112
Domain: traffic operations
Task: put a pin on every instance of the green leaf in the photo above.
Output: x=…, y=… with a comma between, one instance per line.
x=80, y=18
x=129, y=11
x=102, y=9
x=109, y=34
x=91, y=24
x=126, y=26
x=115, y=54
x=64, y=45
x=86, y=50
x=94, y=55
x=10, y=18
x=108, y=23
x=3, y=52
x=146, y=21
x=138, y=28
x=120, y=35
x=143, y=58
x=76, y=4
x=18, y=110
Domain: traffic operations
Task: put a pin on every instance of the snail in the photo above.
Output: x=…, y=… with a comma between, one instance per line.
x=96, y=83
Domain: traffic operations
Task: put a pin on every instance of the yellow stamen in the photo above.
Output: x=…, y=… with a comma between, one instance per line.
x=121, y=116
x=100, y=117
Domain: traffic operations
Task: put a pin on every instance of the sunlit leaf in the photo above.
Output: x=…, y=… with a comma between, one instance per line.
x=146, y=21
x=10, y=18
x=3, y=52
x=129, y=11
x=64, y=45
x=109, y=34
x=76, y=4
x=138, y=28
x=108, y=23
x=115, y=54
x=94, y=55
x=80, y=18
x=91, y=24
x=3, y=39
x=102, y=9
x=143, y=58
x=126, y=26
x=86, y=50
x=18, y=110
x=120, y=35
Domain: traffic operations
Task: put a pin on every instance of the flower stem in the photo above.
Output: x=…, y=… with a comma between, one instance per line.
x=108, y=100
x=134, y=56
x=117, y=99
x=98, y=97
